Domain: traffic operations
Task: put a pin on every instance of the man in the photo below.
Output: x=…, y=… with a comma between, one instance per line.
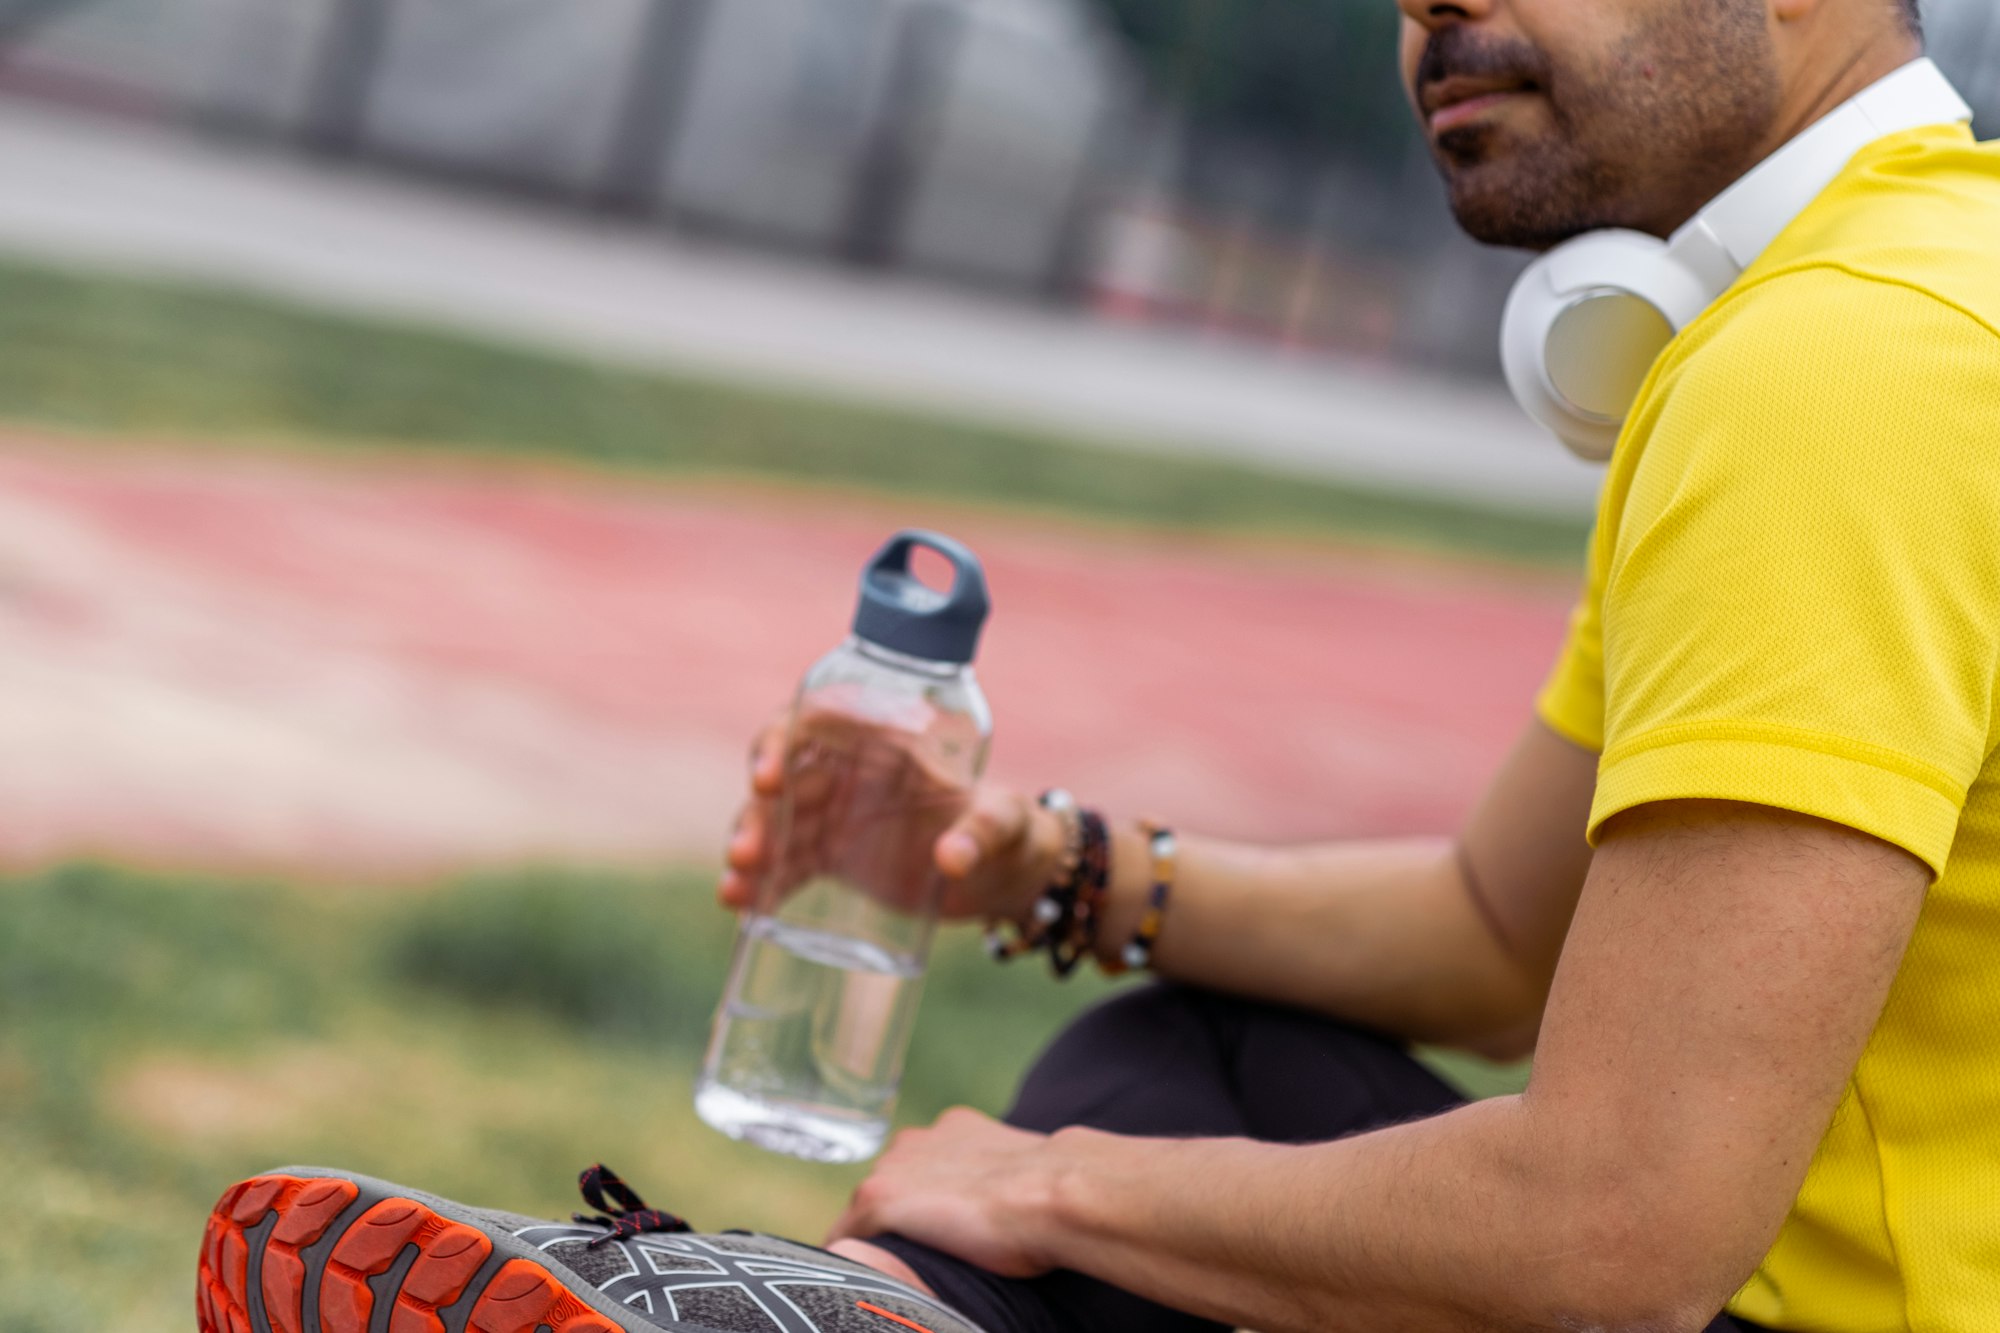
x=1737, y=886
x=1775, y=718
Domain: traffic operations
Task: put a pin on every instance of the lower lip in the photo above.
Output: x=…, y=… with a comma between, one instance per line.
x=1459, y=113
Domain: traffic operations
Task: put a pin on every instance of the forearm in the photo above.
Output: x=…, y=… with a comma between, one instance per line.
x=1462, y=1222
x=1383, y=934
x=1452, y=942
x=1726, y=967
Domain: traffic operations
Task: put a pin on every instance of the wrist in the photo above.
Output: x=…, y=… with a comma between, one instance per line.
x=1063, y=1192
x=1126, y=892
x=1041, y=861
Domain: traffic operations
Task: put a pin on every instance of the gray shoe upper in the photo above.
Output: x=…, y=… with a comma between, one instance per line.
x=734, y=1283
x=683, y=1282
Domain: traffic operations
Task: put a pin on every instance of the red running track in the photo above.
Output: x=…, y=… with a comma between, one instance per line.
x=381, y=667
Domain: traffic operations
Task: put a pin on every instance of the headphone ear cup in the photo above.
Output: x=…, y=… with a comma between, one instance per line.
x=1584, y=326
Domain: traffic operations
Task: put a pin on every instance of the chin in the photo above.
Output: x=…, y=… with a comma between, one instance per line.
x=1517, y=219
x=1527, y=202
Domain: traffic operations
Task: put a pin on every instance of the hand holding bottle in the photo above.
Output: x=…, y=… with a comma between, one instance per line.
x=995, y=848
x=866, y=824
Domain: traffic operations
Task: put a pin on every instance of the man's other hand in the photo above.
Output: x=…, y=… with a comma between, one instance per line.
x=968, y=1186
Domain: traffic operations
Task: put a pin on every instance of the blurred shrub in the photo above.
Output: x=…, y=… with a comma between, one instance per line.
x=632, y=958
x=90, y=954
x=642, y=959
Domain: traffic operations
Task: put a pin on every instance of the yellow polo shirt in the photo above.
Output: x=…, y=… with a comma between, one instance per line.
x=1794, y=600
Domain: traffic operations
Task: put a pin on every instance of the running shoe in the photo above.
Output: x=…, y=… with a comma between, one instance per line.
x=306, y=1250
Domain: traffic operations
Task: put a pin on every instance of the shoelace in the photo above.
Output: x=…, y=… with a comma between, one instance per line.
x=626, y=1214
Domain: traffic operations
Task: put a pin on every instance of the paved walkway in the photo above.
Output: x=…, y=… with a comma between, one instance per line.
x=121, y=195
x=241, y=660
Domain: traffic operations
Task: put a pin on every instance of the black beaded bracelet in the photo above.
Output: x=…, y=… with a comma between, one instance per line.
x=1050, y=918
x=1077, y=939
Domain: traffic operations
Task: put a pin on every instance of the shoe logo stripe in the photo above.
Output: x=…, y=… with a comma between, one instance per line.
x=894, y=1318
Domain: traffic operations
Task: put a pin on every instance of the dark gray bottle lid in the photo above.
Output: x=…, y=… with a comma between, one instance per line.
x=900, y=613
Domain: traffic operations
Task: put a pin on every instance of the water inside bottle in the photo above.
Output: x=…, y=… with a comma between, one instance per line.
x=808, y=1050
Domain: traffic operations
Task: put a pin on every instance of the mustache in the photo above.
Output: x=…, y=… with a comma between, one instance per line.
x=1458, y=52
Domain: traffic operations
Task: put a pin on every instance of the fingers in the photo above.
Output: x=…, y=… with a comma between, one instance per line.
x=743, y=856
x=850, y=1225
x=865, y=1212
x=753, y=867
x=749, y=842
x=767, y=761
x=965, y=1117
x=858, y=1221
x=958, y=852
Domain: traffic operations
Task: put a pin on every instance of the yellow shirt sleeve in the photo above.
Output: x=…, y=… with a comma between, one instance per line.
x=1571, y=703
x=1799, y=603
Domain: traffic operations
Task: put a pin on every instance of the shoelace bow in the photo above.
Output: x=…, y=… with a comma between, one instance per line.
x=626, y=1214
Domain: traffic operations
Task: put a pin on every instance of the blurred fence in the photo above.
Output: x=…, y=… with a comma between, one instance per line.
x=1007, y=142
x=1312, y=253
x=936, y=134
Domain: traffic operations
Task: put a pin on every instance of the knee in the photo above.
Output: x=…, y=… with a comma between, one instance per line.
x=1120, y=1050
x=1144, y=1014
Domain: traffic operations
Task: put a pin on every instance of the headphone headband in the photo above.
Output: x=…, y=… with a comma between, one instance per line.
x=1588, y=319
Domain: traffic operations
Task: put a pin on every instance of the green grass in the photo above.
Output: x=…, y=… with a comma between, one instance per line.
x=162, y=1036
x=99, y=354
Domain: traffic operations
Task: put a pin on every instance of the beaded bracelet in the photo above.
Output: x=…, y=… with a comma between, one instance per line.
x=1069, y=914
x=1165, y=852
x=1078, y=938
x=1050, y=919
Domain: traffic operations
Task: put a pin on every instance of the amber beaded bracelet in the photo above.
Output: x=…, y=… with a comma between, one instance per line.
x=1164, y=849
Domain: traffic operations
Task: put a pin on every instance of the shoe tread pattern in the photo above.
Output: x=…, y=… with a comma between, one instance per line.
x=288, y=1217
x=323, y=1253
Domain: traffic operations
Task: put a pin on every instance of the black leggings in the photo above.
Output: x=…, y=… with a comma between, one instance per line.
x=1174, y=1062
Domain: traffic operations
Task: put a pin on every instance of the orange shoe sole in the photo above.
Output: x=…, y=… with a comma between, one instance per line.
x=322, y=1254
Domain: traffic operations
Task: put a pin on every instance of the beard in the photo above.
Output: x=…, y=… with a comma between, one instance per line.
x=1644, y=140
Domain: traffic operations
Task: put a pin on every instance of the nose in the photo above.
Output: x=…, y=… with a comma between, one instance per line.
x=1434, y=14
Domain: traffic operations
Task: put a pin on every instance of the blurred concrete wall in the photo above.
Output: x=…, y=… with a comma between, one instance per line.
x=782, y=108
x=247, y=59
x=952, y=135
x=1009, y=150
x=518, y=90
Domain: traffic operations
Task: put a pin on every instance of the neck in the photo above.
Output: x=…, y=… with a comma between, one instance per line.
x=1807, y=101
x=1862, y=69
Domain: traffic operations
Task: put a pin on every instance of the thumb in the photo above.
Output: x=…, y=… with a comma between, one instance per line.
x=996, y=821
x=959, y=850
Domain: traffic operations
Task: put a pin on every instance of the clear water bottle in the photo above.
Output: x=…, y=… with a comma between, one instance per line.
x=887, y=736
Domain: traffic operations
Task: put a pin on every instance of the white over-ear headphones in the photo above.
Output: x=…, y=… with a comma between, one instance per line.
x=1588, y=319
